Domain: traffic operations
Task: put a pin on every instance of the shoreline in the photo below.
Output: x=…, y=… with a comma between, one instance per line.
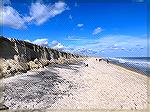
x=128, y=68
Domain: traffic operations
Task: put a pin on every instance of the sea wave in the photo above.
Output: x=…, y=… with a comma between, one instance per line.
x=140, y=64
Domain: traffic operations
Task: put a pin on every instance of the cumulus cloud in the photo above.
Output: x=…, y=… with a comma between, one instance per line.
x=57, y=45
x=79, y=25
x=44, y=42
x=41, y=42
x=39, y=13
x=54, y=42
x=97, y=31
x=10, y=17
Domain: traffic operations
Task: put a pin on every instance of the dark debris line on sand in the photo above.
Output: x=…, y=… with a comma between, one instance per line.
x=3, y=107
x=34, y=91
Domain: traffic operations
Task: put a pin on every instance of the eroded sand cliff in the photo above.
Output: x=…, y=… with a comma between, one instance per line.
x=20, y=56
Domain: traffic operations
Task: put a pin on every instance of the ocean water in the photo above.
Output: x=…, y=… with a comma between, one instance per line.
x=139, y=64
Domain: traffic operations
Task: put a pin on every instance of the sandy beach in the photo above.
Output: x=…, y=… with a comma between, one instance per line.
x=100, y=85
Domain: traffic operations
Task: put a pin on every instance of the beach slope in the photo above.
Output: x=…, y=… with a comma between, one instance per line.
x=100, y=85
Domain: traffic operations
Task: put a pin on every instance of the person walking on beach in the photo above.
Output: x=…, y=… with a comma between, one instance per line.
x=107, y=61
x=86, y=65
x=100, y=60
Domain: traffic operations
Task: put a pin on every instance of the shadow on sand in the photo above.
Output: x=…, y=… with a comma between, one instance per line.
x=37, y=91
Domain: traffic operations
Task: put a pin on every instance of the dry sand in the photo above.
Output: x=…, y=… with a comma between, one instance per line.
x=98, y=86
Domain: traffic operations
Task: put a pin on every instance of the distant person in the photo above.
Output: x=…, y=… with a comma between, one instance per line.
x=100, y=60
x=107, y=61
x=86, y=65
x=96, y=59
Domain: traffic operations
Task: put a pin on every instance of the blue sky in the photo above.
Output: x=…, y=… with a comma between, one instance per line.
x=107, y=29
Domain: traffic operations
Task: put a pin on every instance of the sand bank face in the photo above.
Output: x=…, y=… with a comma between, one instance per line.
x=98, y=86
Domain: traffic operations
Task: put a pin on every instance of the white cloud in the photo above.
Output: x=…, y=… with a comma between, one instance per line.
x=97, y=31
x=88, y=52
x=113, y=45
x=84, y=51
x=80, y=50
x=11, y=17
x=41, y=42
x=72, y=38
x=80, y=25
x=70, y=17
x=69, y=49
x=57, y=45
x=125, y=41
x=44, y=42
x=28, y=41
x=54, y=42
x=39, y=13
x=108, y=46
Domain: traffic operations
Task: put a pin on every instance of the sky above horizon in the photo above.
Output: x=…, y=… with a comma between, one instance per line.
x=95, y=28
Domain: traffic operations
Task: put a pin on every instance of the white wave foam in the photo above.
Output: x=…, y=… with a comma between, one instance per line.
x=147, y=63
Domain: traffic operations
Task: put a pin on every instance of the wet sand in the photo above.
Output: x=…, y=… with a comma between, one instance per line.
x=98, y=86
